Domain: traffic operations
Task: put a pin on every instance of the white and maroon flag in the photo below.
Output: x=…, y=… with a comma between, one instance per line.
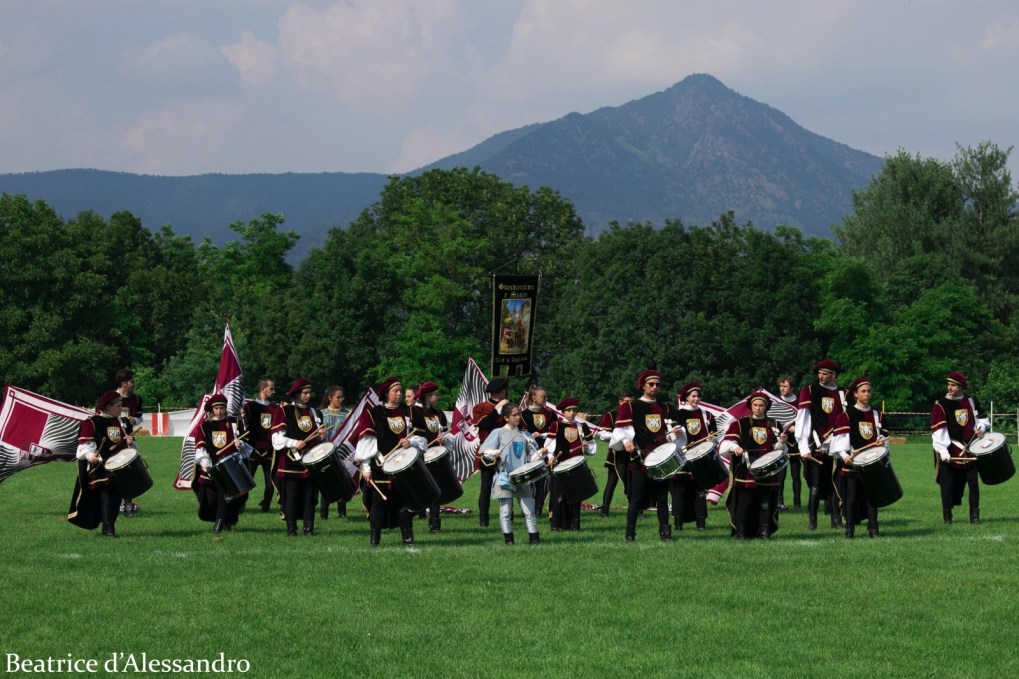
x=230, y=383
x=36, y=430
x=465, y=432
x=341, y=439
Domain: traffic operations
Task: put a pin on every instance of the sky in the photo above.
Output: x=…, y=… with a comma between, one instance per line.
x=184, y=87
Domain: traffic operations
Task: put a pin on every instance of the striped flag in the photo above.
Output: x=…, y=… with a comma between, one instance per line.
x=465, y=432
x=341, y=439
x=230, y=383
x=35, y=430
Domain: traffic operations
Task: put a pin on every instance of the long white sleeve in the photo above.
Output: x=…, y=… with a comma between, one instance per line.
x=367, y=448
x=804, y=430
x=85, y=449
x=620, y=435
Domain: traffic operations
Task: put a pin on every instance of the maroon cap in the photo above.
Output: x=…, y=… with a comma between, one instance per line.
x=759, y=395
x=106, y=399
x=215, y=399
x=425, y=389
x=568, y=403
x=387, y=384
x=957, y=377
x=299, y=384
x=857, y=383
x=827, y=364
x=645, y=376
x=689, y=387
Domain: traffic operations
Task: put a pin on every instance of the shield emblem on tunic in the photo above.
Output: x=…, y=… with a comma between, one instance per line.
x=571, y=434
x=304, y=423
x=962, y=417
x=113, y=433
x=760, y=434
x=827, y=404
x=539, y=421
x=693, y=427
x=396, y=424
x=653, y=422
x=432, y=423
x=219, y=438
x=266, y=420
x=867, y=430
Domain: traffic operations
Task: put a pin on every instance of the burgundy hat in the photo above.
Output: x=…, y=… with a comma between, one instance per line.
x=645, y=376
x=106, y=399
x=759, y=395
x=827, y=364
x=496, y=385
x=387, y=384
x=568, y=403
x=857, y=383
x=425, y=389
x=299, y=384
x=956, y=377
x=215, y=399
x=689, y=387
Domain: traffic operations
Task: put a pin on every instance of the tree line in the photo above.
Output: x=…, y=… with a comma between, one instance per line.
x=916, y=282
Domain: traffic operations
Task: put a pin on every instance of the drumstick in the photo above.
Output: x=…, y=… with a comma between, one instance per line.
x=811, y=458
x=378, y=490
x=869, y=445
x=233, y=442
x=962, y=459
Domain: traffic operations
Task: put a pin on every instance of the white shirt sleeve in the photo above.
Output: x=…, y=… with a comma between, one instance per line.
x=367, y=448
x=841, y=445
x=804, y=430
x=85, y=449
x=620, y=435
x=728, y=446
x=942, y=441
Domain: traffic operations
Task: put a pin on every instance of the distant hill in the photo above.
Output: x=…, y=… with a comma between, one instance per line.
x=692, y=151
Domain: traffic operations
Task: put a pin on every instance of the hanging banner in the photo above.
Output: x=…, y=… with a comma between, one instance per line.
x=514, y=303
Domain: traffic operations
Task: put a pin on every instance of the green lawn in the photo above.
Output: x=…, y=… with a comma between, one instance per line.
x=924, y=599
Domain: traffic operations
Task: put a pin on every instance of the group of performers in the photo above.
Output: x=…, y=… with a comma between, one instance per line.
x=831, y=428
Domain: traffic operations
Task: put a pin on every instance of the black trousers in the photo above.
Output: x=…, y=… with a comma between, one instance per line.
x=754, y=508
x=953, y=486
x=643, y=491
x=109, y=505
x=610, y=488
x=856, y=497
x=299, y=498
x=687, y=496
x=269, y=485
x=541, y=490
x=487, y=474
x=381, y=509
x=793, y=471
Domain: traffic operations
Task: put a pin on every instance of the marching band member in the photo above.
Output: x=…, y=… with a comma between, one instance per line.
x=752, y=502
x=639, y=430
x=131, y=417
x=956, y=420
x=617, y=464
x=381, y=430
x=787, y=392
x=512, y=447
x=256, y=421
x=858, y=427
x=689, y=502
x=429, y=422
x=819, y=406
x=537, y=420
x=567, y=438
x=486, y=417
x=296, y=429
x=333, y=417
x=95, y=499
x=216, y=438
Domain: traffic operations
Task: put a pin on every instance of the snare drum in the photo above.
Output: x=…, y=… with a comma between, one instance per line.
x=406, y=468
x=769, y=464
x=878, y=477
x=664, y=461
x=231, y=476
x=706, y=464
x=994, y=458
x=328, y=473
x=440, y=466
x=575, y=479
x=529, y=473
x=129, y=472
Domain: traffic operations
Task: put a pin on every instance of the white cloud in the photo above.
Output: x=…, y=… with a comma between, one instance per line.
x=1001, y=36
x=182, y=136
x=256, y=60
x=179, y=56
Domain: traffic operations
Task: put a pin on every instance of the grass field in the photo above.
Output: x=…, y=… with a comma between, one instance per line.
x=924, y=599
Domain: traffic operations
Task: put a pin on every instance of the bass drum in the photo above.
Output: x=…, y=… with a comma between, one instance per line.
x=769, y=464
x=878, y=477
x=440, y=466
x=576, y=479
x=406, y=469
x=664, y=461
x=994, y=458
x=329, y=473
x=706, y=464
x=231, y=476
x=129, y=472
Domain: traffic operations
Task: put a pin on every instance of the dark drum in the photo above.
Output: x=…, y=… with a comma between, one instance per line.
x=406, y=468
x=706, y=464
x=231, y=476
x=576, y=479
x=994, y=458
x=879, y=479
x=329, y=474
x=440, y=466
x=129, y=472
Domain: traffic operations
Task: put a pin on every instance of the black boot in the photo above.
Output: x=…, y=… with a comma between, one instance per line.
x=434, y=526
x=764, y=521
x=309, y=527
x=974, y=516
x=702, y=522
x=218, y=526
x=873, y=531
x=376, y=537
x=947, y=513
x=812, y=502
x=741, y=532
x=341, y=510
x=108, y=530
x=291, y=528
x=533, y=538
x=408, y=535
x=631, y=533
x=324, y=513
x=483, y=520
x=850, y=531
x=665, y=532
x=509, y=538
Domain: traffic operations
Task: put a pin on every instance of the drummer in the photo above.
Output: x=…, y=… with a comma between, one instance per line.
x=256, y=420
x=819, y=407
x=956, y=420
x=430, y=423
x=567, y=438
x=95, y=499
x=511, y=447
x=689, y=501
x=537, y=419
x=333, y=417
x=857, y=428
x=296, y=429
x=753, y=503
x=639, y=430
x=216, y=439
x=618, y=465
x=381, y=430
